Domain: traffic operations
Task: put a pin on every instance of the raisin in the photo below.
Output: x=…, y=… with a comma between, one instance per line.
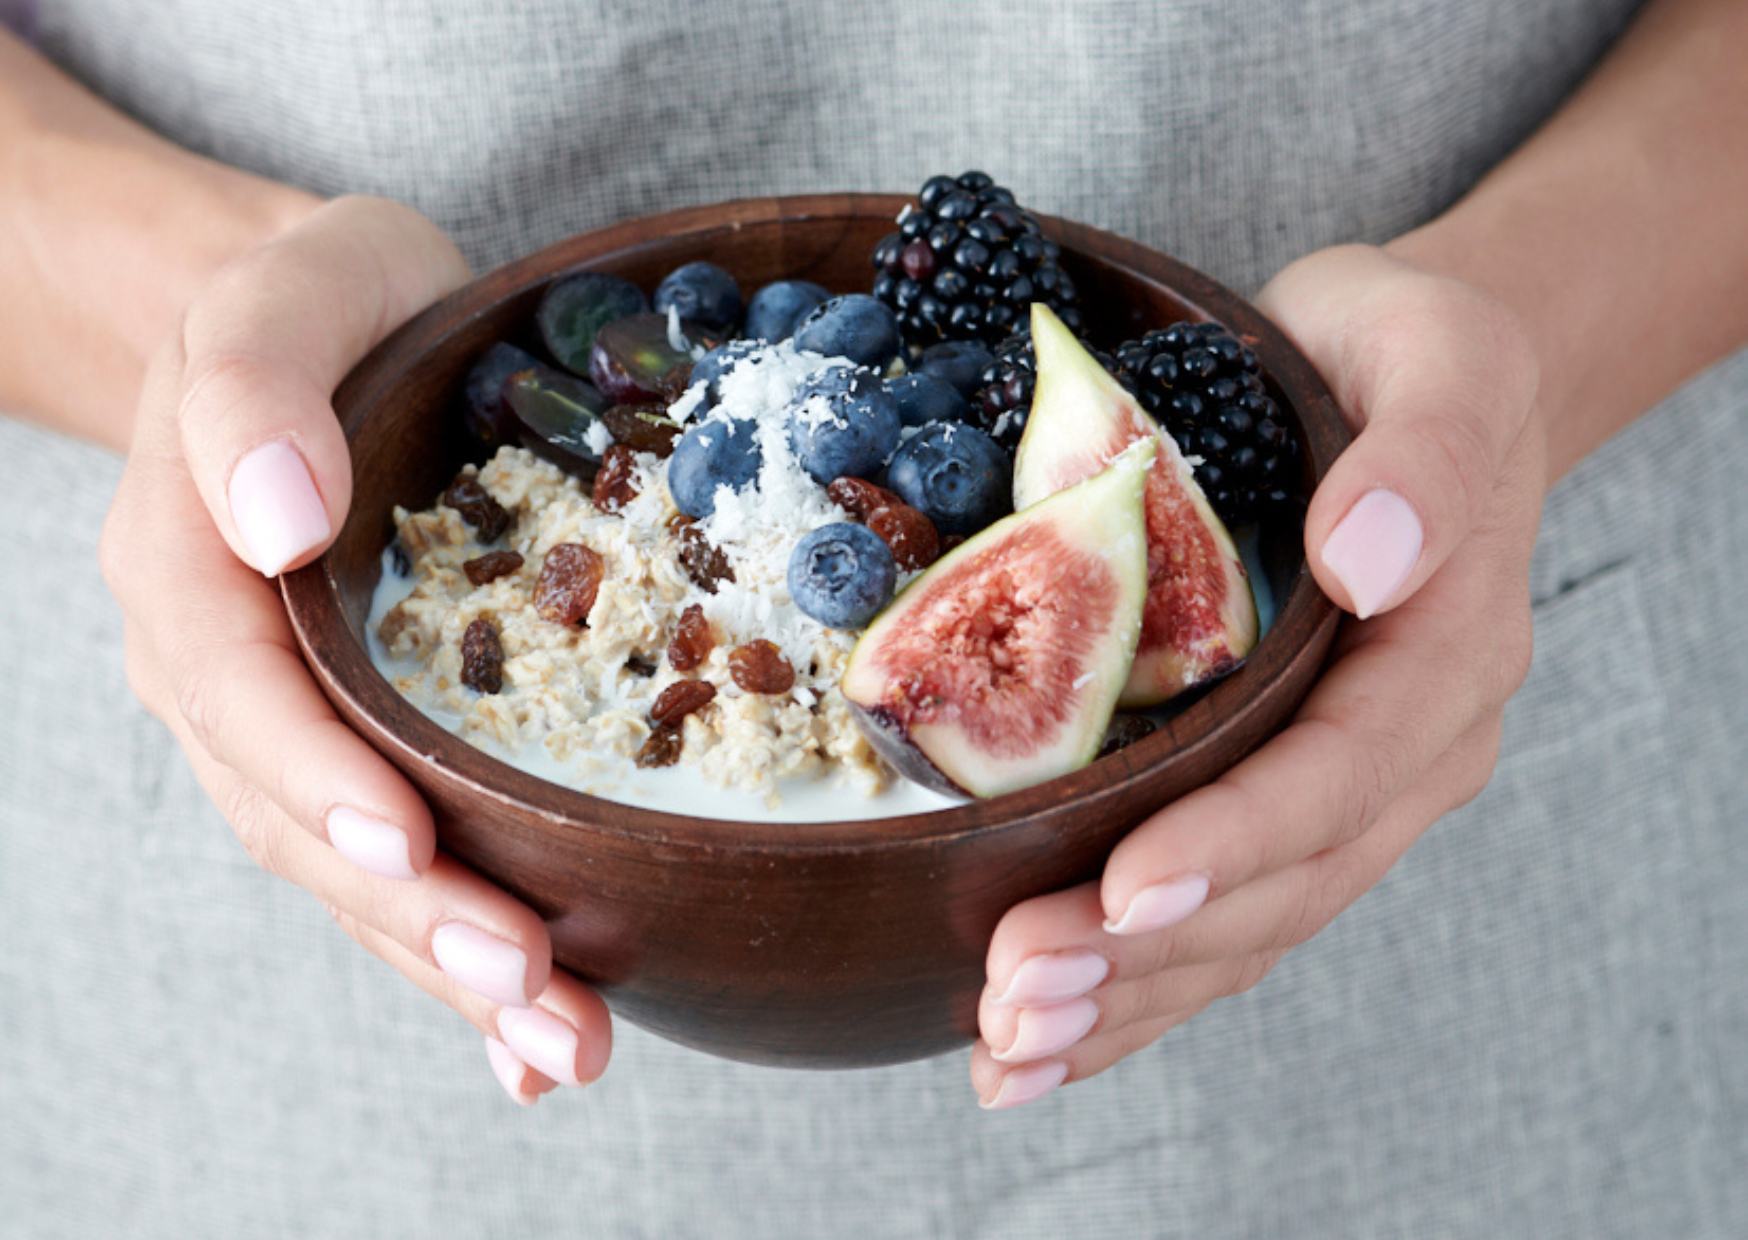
x=482, y=657
x=485, y=569
x=477, y=508
x=859, y=497
x=1124, y=731
x=642, y=428
x=702, y=559
x=637, y=665
x=569, y=580
x=692, y=640
x=759, y=667
x=614, y=485
x=662, y=748
x=680, y=699
x=912, y=537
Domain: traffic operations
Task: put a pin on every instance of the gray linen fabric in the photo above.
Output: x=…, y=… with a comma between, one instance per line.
x=1534, y=1026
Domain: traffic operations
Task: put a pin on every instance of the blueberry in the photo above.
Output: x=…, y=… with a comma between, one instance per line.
x=576, y=306
x=841, y=574
x=923, y=399
x=718, y=452
x=960, y=363
x=855, y=326
x=777, y=307
x=843, y=423
x=955, y=475
x=717, y=363
x=704, y=294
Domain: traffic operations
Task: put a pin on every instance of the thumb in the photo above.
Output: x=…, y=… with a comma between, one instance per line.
x=1438, y=380
x=260, y=353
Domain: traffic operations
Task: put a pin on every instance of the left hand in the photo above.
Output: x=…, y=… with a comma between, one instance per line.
x=1423, y=530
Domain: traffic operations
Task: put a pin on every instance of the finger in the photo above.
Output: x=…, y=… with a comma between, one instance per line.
x=262, y=350
x=1439, y=380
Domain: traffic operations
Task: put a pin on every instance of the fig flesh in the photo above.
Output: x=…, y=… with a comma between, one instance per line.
x=1200, y=620
x=999, y=666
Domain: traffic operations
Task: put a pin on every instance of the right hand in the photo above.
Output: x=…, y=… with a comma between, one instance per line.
x=238, y=471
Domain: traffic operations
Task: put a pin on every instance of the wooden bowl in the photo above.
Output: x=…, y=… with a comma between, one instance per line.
x=837, y=944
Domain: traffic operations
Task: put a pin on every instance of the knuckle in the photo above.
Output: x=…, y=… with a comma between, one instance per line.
x=1251, y=970
x=199, y=702
x=253, y=818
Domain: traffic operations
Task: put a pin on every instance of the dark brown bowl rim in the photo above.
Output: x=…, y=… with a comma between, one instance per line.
x=396, y=727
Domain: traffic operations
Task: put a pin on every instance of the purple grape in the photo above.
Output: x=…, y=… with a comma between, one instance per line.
x=575, y=307
x=558, y=416
x=634, y=361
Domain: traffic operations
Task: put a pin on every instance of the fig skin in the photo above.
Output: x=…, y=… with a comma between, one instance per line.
x=999, y=666
x=1200, y=621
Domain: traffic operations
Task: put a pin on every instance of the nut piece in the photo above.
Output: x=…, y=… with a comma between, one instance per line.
x=485, y=569
x=759, y=667
x=570, y=578
x=482, y=657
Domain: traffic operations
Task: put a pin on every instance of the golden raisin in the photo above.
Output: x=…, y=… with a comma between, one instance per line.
x=692, y=640
x=662, y=748
x=477, y=508
x=482, y=657
x=642, y=428
x=859, y=497
x=759, y=667
x=909, y=534
x=680, y=699
x=614, y=485
x=570, y=578
x=485, y=569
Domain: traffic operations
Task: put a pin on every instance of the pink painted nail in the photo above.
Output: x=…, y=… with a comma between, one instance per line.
x=370, y=843
x=277, y=510
x=482, y=962
x=542, y=1041
x=510, y=1071
x=1374, y=548
x=1162, y=905
x=1027, y=1084
x=1054, y=978
x=1050, y=1030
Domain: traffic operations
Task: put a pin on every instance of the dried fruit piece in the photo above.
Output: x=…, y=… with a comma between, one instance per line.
x=682, y=698
x=759, y=667
x=705, y=563
x=615, y=486
x=661, y=748
x=484, y=569
x=477, y=508
x=637, y=665
x=642, y=428
x=692, y=640
x=482, y=657
x=999, y=667
x=859, y=497
x=1200, y=621
x=570, y=577
x=912, y=536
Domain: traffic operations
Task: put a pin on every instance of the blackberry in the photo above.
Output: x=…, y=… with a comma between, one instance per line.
x=966, y=263
x=1205, y=387
x=1003, y=399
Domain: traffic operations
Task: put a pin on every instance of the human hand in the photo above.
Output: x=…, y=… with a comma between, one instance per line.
x=1423, y=529
x=238, y=471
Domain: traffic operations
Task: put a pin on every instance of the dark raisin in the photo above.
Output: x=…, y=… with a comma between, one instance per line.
x=485, y=569
x=403, y=565
x=477, y=508
x=911, y=536
x=614, y=486
x=637, y=665
x=1124, y=731
x=759, y=667
x=702, y=559
x=859, y=497
x=692, y=640
x=570, y=578
x=680, y=699
x=662, y=748
x=482, y=657
x=642, y=428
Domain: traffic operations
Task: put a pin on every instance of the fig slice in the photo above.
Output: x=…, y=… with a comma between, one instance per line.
x=1000, y=665
x=1200, y=619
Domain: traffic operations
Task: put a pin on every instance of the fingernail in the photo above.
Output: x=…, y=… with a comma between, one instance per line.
x=370, y=843
x=542, y=1041
x=484, y=963
x=1027, y=1084
x=1162, y=905
x=510, y=1071
x=1054, y=978
x=274, y=503
x=1374, y=548
x=1050, y=1030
